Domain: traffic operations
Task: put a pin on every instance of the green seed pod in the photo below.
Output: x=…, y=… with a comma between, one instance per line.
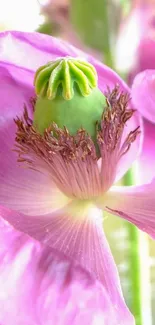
x=67, y=94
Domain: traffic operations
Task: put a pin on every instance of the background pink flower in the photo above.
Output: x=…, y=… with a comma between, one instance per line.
x=136, y=53
x=143, y=94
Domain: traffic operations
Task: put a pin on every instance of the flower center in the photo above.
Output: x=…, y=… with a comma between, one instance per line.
x=72, y=161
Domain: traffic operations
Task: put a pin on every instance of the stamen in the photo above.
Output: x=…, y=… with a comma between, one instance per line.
x=33, y=102
x=129, y=140
x=110, y=132
x=54, y=140
x=114, y=118
x=71, y=160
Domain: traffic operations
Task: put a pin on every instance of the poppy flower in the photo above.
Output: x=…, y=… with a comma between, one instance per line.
x=67, y=179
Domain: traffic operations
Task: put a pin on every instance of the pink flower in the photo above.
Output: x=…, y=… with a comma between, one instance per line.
x=136, y=41
x=136, y=53
x=40, y=286
x=143, y=94
x=61, y=205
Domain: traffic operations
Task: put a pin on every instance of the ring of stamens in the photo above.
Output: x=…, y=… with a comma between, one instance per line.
x=72, y=161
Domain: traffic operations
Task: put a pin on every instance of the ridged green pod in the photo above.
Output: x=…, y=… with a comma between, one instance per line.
x=67, y=94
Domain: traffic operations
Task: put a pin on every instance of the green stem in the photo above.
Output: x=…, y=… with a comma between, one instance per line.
x=91, y=21
x=138, y=267
x=107, y=53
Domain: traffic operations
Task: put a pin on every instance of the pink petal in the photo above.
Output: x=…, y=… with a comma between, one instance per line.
x=146, y=161
x=40, y=286
x=143, y=94
x=16, y=47
x=137, y=29
x=146, y=51
x=130, y=156
x=21, y=189
x=133, y=203
x=77, y=233
x=16, y=90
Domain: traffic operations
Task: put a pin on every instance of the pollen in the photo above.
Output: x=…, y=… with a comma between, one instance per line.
x=114, y=119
